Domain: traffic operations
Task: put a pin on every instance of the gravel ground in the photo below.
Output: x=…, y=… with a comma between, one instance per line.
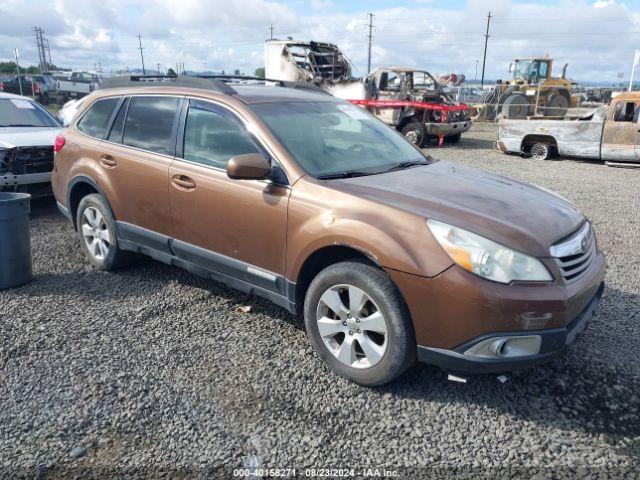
x=152, y=371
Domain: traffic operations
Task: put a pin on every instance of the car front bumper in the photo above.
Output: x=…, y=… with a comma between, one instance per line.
x=553, y=342
x=11, y=180
x=447, y=129
x=455, y=311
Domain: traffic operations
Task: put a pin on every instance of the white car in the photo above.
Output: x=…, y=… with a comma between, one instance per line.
x=27, y=136
x=69, y=110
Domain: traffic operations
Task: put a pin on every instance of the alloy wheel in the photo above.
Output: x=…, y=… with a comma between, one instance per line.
x=96, y=233
x=352, y=326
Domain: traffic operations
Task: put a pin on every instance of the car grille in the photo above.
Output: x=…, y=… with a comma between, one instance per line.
x=32, y=160
x=575, y=254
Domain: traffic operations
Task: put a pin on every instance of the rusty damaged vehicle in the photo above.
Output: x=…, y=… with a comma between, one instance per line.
x=413, y=102
x=608, y=133
x=309, y=201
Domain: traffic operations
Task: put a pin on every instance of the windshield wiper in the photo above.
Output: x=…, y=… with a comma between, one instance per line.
x=347, y=174
x=406, y=164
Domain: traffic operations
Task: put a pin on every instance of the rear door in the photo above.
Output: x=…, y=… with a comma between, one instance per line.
x=134, y=167
x=236, y=227
x=620, y=134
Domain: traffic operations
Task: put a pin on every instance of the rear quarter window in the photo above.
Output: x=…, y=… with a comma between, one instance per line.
x=94, y=123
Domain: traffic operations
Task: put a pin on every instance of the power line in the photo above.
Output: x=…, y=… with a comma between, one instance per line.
x=486, y=40
x=370, y=25
x=141, y=56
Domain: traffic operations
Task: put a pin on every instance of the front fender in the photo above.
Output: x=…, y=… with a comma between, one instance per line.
x=392, y=238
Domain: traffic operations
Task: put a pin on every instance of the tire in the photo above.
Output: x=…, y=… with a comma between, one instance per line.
x=557, y=105
x=516, y=105
x=415, y=133
x=541, y=151
x=93, y=219
x=368, y=356
x=453, y=138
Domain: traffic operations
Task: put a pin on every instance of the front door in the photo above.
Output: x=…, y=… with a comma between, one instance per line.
x=620, y=134
x=235, y=227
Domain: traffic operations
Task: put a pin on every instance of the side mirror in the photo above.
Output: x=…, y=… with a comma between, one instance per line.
x=249, y=166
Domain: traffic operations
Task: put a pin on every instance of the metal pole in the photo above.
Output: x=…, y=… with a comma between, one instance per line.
x=141, y=56
x=271, y=32
x=486, y=40
x=370, y=38
x=475, y=80
x=15, y=51
x=636, y=60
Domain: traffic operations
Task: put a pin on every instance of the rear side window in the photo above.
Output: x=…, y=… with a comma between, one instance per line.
x=94, y=123
x=149, y=124
x=212, y=138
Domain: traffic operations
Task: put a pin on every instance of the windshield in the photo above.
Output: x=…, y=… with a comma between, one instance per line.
x=423, y=81
x=18, y=112
x=330, y=138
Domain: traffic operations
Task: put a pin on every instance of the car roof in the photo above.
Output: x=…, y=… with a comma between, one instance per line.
x=269, y=91
x=273, y=93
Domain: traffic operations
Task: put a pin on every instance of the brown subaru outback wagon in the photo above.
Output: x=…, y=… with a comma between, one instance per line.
x=315, y=204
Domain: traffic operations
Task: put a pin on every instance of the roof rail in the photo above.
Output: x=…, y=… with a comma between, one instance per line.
x=281, y=83
x=129, y=81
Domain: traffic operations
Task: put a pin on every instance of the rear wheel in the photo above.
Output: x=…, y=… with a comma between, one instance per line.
x=97, y=231
x=358, y=323
x=415, y=133
x=541, y=151
x=516, y=105
x=453, y=138
x=557, y=105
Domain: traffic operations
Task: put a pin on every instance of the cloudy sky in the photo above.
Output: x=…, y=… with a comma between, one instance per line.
x=596, y=37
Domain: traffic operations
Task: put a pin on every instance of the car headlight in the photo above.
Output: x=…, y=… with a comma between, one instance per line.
x=486, y=258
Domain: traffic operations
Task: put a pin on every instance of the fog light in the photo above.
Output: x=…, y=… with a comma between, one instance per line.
x=506, y=347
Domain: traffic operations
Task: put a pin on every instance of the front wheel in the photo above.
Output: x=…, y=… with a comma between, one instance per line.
x=415, y=133
x=358, y=323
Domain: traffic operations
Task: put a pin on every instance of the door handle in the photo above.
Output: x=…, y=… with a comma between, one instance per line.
x=183, y=182
x=107, y=161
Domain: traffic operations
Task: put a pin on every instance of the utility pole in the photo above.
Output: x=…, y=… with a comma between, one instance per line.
x=159, y=73
x=271, y=32
x=475, y=80
x=370, y=25
x=15, y=52
x=48, y=52
x=141, y=56
x=42, y=58
x=486, y=40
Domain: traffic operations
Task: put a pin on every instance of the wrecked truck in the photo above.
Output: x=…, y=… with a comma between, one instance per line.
x=410, y=100
x=609, y=133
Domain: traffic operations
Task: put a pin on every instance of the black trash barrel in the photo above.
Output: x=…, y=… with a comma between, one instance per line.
x=15, y=244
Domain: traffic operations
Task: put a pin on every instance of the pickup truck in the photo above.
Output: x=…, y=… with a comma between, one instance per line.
x=77, y=85
x=609, y=133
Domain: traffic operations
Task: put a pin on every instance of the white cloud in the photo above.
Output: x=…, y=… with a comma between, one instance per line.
x=596, y=38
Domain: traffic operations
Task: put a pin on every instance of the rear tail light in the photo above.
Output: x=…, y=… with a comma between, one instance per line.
x=59, y=143
x=36, y=88
x=2, y=86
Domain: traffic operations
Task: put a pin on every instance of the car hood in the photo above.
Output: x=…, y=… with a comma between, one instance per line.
x=511, y=212
x=11, y=137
